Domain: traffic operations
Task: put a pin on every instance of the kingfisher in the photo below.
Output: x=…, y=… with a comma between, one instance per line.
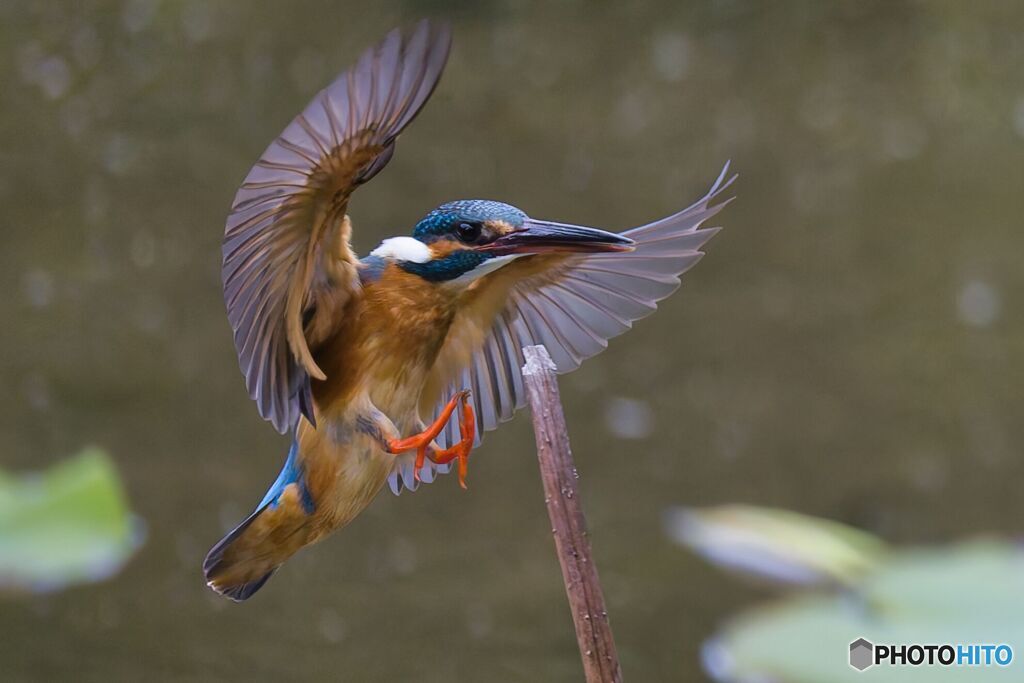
x=388, y=369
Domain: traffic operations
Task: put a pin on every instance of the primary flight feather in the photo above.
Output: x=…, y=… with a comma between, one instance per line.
x=365, y=361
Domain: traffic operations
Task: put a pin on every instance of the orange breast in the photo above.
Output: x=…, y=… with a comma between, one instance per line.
x=386, y=344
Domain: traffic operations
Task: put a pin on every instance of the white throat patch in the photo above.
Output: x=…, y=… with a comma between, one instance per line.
x=403, y=249
x=488, y=266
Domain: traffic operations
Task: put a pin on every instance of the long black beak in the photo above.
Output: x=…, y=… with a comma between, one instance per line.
x=538, y=237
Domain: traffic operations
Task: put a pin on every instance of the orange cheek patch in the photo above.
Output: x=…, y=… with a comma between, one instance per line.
x=498, y=228
x=442, y=247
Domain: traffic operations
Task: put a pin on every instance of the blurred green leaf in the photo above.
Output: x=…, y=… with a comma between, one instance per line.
x=967, y=593
x=70, y=524
x=776, y=545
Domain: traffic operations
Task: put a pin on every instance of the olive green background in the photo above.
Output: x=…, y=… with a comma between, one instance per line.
x=850, y=347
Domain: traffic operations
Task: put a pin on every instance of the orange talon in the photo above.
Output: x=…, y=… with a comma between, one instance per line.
x=421, y=442
x=461, y=450
x=468, y=430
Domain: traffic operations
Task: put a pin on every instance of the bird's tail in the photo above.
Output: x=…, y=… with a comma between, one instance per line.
x=242, y=561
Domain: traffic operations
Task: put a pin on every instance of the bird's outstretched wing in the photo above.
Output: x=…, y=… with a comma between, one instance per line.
x=571, y=304
x=288, y=269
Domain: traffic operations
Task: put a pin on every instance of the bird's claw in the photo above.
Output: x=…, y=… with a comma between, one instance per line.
x=461, y=450
x=421, y=442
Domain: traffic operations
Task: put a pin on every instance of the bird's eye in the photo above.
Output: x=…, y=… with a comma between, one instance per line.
x=468, y=232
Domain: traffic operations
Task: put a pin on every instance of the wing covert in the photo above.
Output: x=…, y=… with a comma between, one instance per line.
x=288, y=270
x=573, y=305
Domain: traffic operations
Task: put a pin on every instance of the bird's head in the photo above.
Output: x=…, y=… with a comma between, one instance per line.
x=460, y=241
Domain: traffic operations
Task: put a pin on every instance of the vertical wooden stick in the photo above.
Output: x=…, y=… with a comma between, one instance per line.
x=582, y=586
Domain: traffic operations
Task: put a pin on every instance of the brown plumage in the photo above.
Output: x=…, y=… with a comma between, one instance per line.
x=356, y=357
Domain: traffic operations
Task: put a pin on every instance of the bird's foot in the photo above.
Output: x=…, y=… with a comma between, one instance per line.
x=461, y=450
x=421, y=442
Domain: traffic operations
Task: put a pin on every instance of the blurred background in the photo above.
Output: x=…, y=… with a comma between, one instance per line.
x=850, y=347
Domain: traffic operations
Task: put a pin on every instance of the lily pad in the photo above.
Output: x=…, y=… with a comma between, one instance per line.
x=70, y=524
x=777, y=546
x=967, y=593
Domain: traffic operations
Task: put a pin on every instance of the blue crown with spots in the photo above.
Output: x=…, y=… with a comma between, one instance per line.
x=441, y=220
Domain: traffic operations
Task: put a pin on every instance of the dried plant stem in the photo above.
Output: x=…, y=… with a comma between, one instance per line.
x=582, y=585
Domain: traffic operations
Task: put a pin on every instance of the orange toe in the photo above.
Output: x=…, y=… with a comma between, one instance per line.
x=422, y=440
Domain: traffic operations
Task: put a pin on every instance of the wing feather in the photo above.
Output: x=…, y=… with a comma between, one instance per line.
x=572, y=305
x=288, y=270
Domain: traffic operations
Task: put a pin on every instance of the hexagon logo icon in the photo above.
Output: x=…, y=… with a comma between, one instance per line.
x=862, y=653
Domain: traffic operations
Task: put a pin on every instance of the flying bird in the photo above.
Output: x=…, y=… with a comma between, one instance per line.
x=388, y=369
